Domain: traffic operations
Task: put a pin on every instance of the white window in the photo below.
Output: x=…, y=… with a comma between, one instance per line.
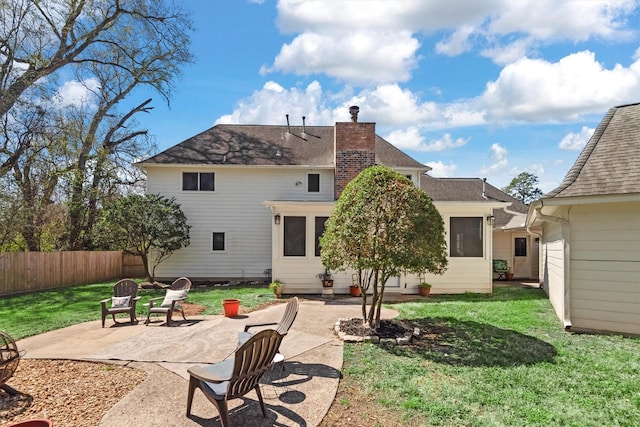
x=218, y=240
x=465, y=237
x=198, y=181
x=313, y=183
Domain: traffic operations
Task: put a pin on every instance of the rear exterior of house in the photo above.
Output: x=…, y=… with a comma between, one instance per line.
x=257, y=197
x=590, y=258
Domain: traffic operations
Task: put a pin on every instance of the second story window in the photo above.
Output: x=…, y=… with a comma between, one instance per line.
x=198, y=181
x=313, y=183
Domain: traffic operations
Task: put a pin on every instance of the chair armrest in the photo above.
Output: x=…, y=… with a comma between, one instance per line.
x=152, y=300
x=216, y=373
x=253, y=325
x=106, y=300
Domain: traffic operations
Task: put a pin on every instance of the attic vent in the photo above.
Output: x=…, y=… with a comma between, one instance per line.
x=278, y=153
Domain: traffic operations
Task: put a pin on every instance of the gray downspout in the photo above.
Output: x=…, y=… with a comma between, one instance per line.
x=566, y=234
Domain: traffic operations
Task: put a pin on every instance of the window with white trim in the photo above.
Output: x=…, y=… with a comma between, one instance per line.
x=218, y=240
x=295, y=238
x=198, y=181
x=466, y=237
x=313, y=182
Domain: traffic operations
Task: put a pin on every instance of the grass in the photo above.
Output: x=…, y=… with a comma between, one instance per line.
x=498, y=360
x=31, y=314
x=484, y=360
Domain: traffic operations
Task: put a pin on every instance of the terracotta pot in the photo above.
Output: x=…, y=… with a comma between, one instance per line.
x=508, y=276
x=33, y=423
x=425, y=292
x=231, y=307
x=354, y=291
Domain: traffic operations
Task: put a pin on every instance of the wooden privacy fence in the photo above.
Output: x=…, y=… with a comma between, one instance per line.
x=33, y=271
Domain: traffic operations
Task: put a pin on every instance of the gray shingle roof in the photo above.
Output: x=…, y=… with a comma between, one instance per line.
x=470, y=190
x=264, y=145
x=610, y=162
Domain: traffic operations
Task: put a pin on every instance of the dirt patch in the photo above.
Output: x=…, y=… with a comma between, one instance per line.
x=70, y=393
x=387, y=329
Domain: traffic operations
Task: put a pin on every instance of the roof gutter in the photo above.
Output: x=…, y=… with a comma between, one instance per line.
x=566, y=239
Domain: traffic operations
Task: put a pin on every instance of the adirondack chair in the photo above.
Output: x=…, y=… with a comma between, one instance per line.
x=123, y=301
x=233, y=378
x=177, y=292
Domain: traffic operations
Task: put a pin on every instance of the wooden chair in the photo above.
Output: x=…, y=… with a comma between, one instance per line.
x=177, y=292
x=233, y=378
x=123, y=301
x=282, y=327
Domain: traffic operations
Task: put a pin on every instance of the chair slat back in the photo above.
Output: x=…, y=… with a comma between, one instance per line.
x=251, y=361
x=124, y=288
x=290, y=313
x=181, y=284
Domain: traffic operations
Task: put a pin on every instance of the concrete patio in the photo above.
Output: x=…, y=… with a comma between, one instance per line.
x=300, y=395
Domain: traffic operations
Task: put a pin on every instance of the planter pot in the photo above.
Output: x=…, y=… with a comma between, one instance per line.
x=327, y=283
x=508, y=276
x=33, y=423
x=425, y=292
x=231, y=307
x=354, y=291
x=278, y=292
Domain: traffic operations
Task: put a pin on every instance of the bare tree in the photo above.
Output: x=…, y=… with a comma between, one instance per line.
x=110, y=46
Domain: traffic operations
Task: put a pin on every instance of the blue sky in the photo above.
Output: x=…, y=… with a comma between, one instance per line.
x=471, y=88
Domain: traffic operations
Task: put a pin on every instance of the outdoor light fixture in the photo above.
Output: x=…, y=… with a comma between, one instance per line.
x=491, y=219
x=276, y=219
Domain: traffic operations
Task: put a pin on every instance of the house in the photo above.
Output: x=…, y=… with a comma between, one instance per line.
x=257, y=197
x=511, y=241
x=590, y=228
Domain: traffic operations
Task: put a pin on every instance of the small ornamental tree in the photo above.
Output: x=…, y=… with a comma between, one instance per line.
x=383, y=226
x=144, y=225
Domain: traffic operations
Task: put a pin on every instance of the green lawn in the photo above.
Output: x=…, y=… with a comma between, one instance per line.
x=31, y=314
x=485, y=360
x=498, y=360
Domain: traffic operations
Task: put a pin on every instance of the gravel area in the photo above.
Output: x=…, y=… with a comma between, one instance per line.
x=70, y=393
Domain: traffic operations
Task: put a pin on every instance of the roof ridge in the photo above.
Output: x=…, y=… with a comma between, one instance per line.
x=582, y=159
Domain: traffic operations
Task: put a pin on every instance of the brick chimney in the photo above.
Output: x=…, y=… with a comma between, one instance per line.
x=354, y=148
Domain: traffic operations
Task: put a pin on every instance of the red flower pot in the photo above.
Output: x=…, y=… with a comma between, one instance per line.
x=33, y=423
x=231, y=307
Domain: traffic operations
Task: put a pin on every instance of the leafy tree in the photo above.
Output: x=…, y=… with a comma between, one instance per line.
x=383, y=226
x=523, y=187
x=149, y=226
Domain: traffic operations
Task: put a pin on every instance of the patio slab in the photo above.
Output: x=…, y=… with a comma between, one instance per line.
x=299, y=395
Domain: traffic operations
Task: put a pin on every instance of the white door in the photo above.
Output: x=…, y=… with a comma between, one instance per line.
x=521, y=263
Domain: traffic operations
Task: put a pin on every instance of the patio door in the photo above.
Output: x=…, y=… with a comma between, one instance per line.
x=521, y=257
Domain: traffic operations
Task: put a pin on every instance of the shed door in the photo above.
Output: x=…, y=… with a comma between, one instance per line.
x=521, y=264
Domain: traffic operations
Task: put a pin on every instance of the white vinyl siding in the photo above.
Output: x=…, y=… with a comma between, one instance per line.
x=605, y=267
x=236, y=207
x=553, y=266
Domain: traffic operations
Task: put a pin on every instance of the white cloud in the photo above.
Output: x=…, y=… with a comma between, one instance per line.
x=374, y=42
x=576, y=141
x=575, y=20
x=358, y=57
x=537, y=90
x=499, y=157
x=270, y=104
x=441, y=170
x=410, y=139
x=75, y=93
x=457, y=43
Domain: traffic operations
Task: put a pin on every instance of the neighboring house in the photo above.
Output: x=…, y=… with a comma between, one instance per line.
x=590, y=229
x=257, y=197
